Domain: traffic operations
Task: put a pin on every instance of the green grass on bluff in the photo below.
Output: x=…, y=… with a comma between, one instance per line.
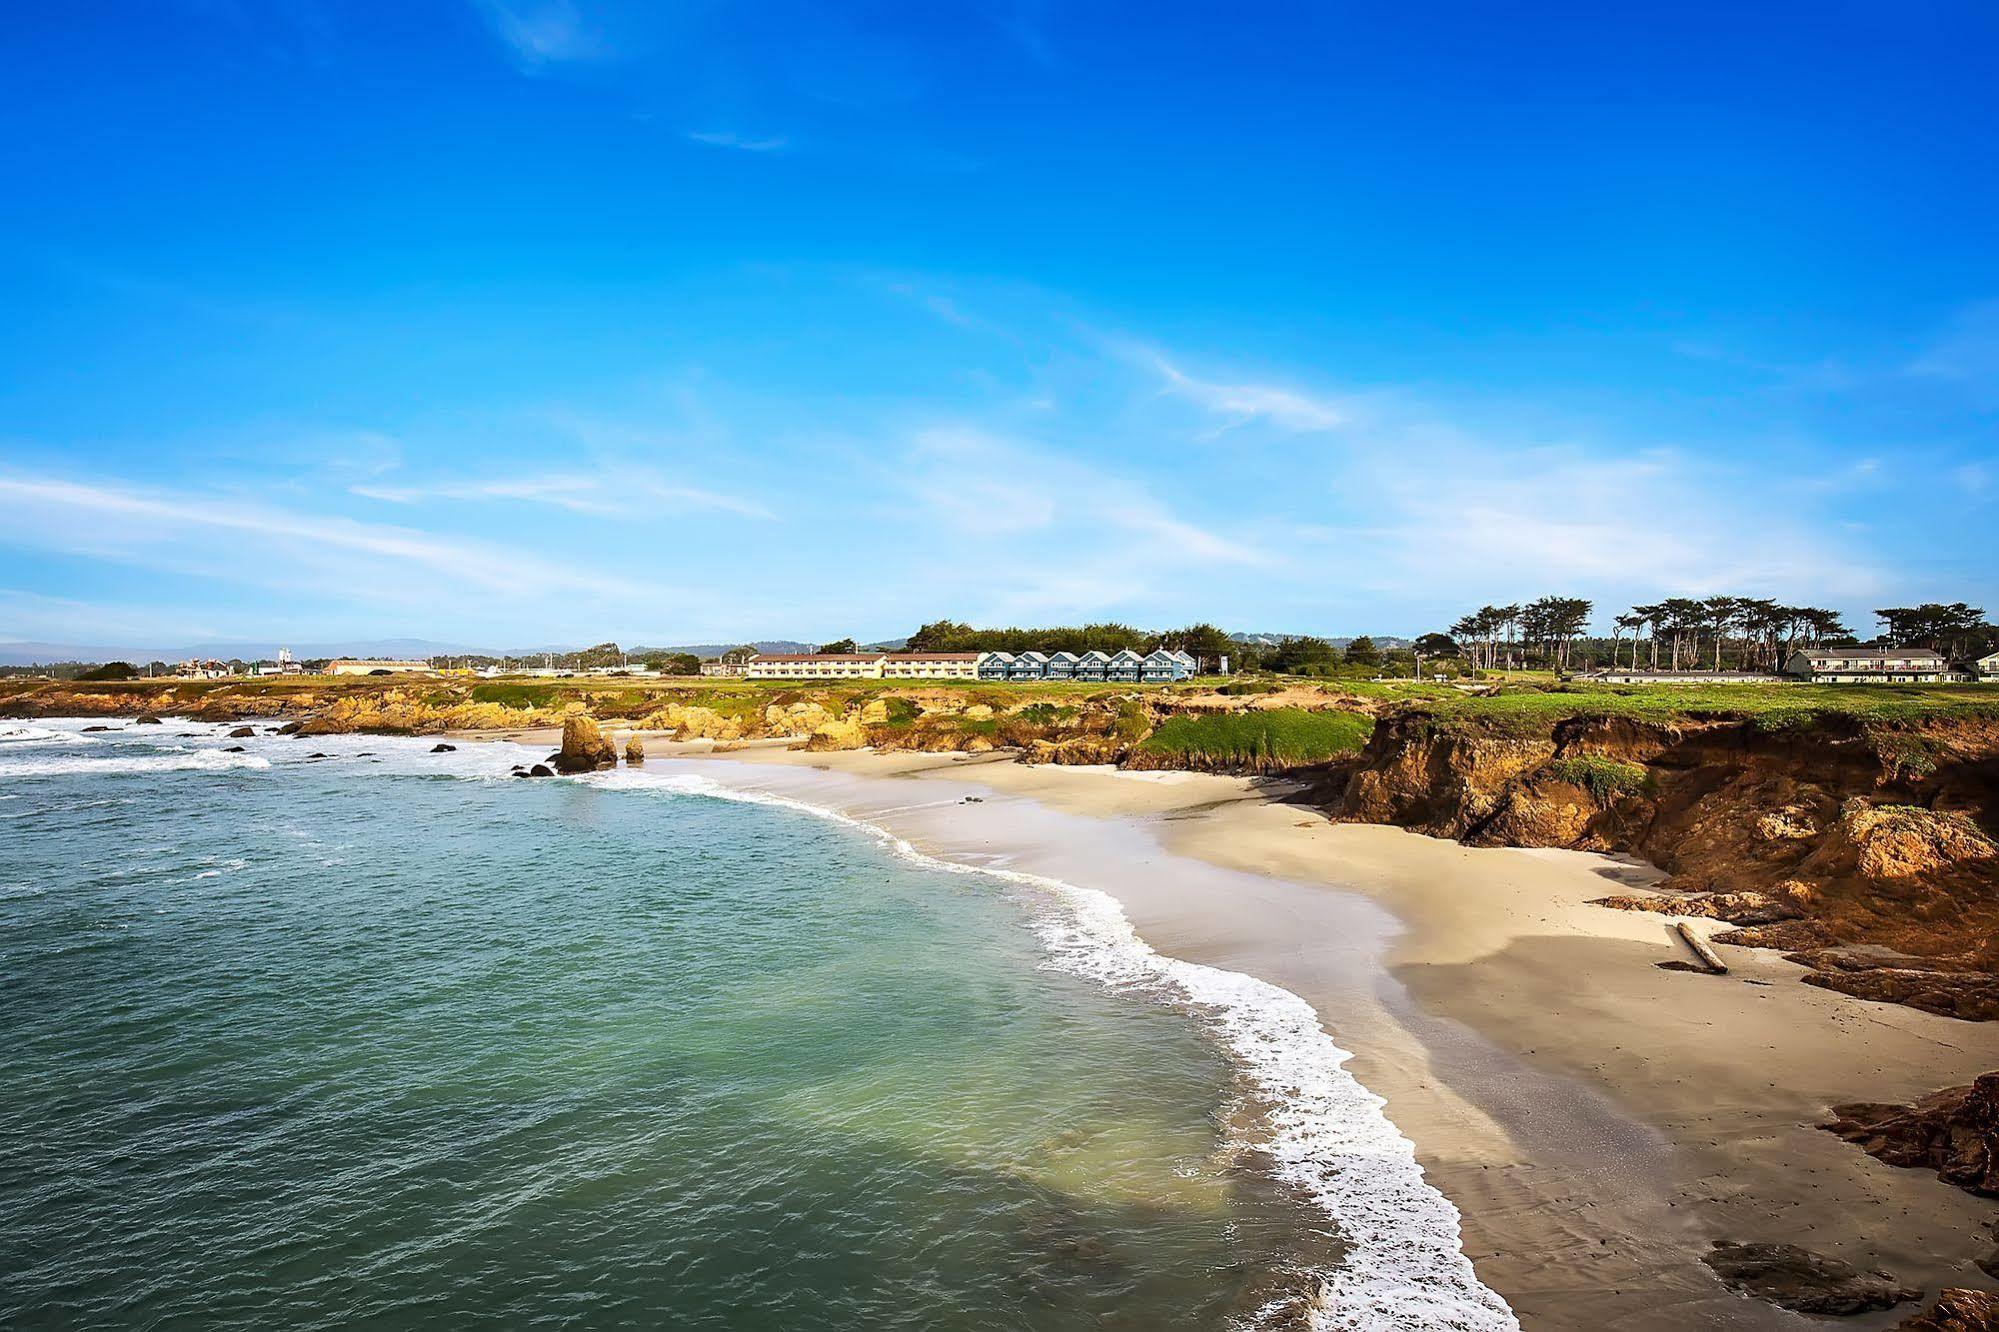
x=1278, y=738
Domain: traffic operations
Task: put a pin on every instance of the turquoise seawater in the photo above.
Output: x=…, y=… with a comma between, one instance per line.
x=386, y=1039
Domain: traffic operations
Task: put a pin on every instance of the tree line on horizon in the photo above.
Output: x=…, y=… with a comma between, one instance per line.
x=1705, y=633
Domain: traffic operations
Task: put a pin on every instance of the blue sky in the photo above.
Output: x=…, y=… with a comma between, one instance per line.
x=526, y=321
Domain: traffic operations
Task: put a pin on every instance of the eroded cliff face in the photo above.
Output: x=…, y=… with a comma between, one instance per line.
x=1867, y=853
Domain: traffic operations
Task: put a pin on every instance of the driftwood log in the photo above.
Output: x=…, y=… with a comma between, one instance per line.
x=1702, y=949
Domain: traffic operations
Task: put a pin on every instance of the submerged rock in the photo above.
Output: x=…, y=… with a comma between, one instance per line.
x=242, y=733
x=635, y=752
x=233, y=749
x=88, y=729
x=585, y=748
x=1799, y=1279
x=1954, y=1132
x=541, y=770
x=147, y=719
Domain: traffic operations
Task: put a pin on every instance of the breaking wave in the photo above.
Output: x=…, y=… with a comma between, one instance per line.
x=1404, y=1269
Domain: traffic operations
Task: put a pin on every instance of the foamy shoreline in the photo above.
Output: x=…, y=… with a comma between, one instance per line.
x=1596, y=1121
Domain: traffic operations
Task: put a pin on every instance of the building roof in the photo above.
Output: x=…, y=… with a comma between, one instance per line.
x=1871, y=654
x=816, y=656
x=931, y=656
x=1126, y=654
x=1093, y=656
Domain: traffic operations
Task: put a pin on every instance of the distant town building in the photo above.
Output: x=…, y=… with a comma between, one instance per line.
x=734, y=662
x=195, y=669
x=358, y=667
x=1628, y=675
x=285, y=665
x=1856, y=665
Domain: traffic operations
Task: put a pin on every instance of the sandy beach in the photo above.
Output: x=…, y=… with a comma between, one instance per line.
x=1598, y=1120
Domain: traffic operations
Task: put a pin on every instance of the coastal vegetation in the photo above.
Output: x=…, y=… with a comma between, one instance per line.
x=1709, y=633
x=1262, y=741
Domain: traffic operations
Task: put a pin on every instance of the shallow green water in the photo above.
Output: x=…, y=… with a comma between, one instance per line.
x=376, y=1041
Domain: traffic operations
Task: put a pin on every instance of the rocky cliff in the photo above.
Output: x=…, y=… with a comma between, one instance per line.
x=1867, y=852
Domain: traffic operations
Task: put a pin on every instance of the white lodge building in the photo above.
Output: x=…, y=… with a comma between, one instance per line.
x=930, y=666
x=1160, y=666
x=1857, y=665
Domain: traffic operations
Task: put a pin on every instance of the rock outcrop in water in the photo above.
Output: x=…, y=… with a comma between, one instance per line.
x=1954, y=1132
x=585, y=747
x=635, y=752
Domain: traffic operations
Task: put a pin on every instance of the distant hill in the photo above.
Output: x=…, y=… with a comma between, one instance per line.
x=36, y=654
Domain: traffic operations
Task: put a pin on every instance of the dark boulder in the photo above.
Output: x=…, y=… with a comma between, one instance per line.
x=1954, y=1132
x=290, y=728
x=1799, y=1279
x=147, y=719
x=541, y=770
x=234, y=749
x=444, y=749
x=242, y=733
x=88, y=729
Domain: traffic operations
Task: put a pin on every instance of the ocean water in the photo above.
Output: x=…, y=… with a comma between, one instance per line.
x=389, y=1039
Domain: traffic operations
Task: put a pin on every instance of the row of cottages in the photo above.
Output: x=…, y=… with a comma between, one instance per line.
x=1858, y=665
x=1157, y=667
x=862, y=666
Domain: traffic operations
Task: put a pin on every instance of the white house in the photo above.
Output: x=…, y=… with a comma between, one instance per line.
x=816, y=666
x=1986, y=668
x=1858, y=665
x=930, y=665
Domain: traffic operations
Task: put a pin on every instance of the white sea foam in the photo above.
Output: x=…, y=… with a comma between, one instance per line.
x=1404, y=1269
x=187, y=760
x=28, y=735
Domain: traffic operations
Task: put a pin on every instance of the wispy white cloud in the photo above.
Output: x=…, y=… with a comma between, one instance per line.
x=613, y=493
x=544, y=32
x=742, y=143
x=1243, y=402
x=1011, y=527
x=273, y=546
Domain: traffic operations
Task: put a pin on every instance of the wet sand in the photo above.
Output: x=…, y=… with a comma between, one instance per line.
x=1598, y=1120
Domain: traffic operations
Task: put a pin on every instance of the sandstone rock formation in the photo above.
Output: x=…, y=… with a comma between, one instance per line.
x=1957, y=1310
x=585, y=748
x=1799, y=1279
x=635, y=752
x=1954, y=1132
